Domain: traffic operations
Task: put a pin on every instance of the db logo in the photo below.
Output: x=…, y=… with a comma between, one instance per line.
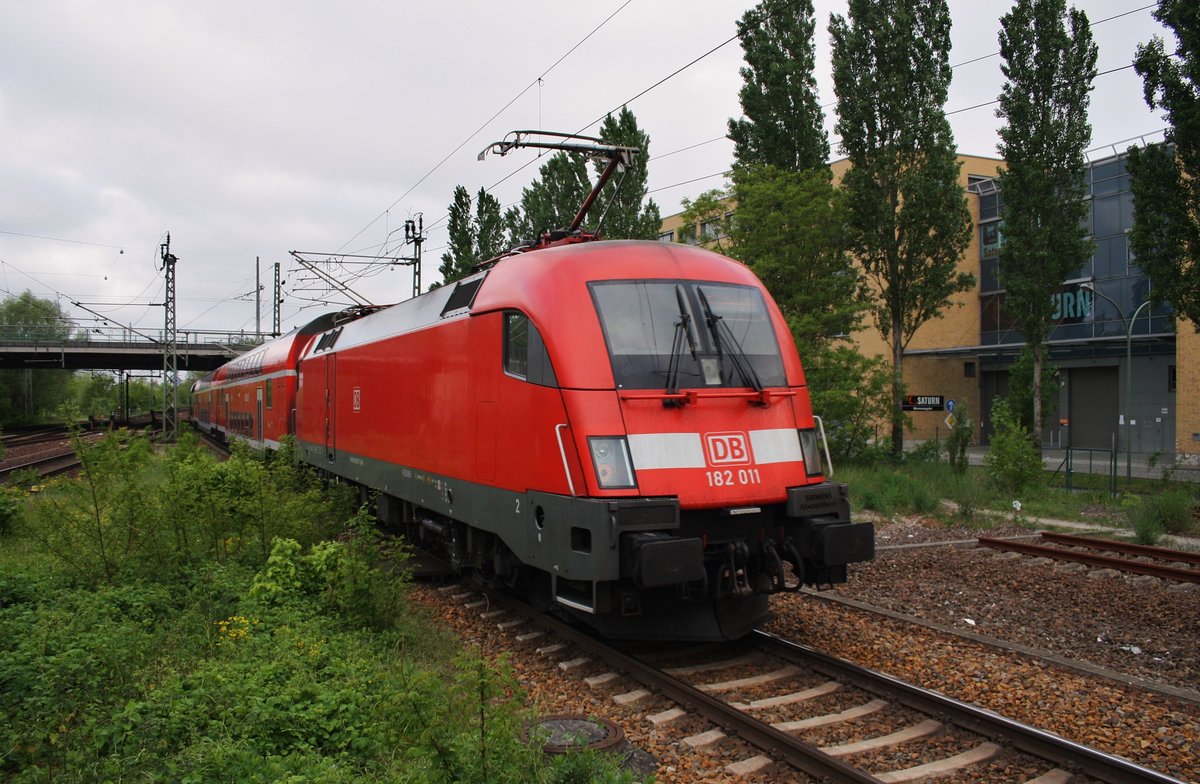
x=727, y=448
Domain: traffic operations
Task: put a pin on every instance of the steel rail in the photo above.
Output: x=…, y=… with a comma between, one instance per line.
x=45, y=466
x=1039, y=743
x=1091, y=559
x=776, y=743
x=1128, y=548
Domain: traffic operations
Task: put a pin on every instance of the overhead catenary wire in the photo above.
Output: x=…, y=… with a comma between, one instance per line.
x=956, y=111
x=488, y=122
x=735, y=37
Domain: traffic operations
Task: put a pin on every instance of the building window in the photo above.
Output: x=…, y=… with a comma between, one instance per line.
x=667, y=236
x=711, y=229
x=968, y=370
x=1170, y=378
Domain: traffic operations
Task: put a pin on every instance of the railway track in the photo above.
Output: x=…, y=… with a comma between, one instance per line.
x=34, y=436
x=771, y=705
x=59, y=462
x=1152, y=561
x=47, y=449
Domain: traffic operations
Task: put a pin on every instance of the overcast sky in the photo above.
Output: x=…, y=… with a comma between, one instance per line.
x=252, y=129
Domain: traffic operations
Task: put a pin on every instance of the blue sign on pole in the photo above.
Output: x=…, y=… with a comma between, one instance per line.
x=951, y=405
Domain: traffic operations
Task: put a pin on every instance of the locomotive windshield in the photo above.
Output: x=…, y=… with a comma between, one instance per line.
x=675, y=334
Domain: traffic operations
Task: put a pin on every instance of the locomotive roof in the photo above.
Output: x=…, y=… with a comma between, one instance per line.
x=550, y=286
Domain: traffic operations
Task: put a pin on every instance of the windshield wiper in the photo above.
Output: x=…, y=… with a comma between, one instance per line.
x=720, y=334
x=683, y=333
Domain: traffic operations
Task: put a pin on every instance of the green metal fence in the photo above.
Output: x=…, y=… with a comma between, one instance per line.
x=1095, y=458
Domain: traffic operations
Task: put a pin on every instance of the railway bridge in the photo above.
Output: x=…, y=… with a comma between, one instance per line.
x=116, y=348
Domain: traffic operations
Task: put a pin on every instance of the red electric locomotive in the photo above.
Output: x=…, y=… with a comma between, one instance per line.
x=621, y=429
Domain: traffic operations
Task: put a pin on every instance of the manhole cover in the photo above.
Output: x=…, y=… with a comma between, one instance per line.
x=567, y=732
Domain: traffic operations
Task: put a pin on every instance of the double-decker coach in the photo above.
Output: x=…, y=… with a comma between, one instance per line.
x=253, y=398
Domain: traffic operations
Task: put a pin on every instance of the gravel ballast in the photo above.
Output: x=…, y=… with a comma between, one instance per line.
x=1143, y=629
x=1040, y=606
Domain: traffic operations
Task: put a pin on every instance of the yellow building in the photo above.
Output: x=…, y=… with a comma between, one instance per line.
x=1119, y=383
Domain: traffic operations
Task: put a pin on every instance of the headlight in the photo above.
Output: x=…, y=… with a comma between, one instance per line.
x=811, y=450
x=610, y=457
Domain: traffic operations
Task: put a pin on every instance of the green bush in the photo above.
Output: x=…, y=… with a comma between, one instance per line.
x=1012, y=462
x=1166, y=512
x=11, y=502
x=1147, y=529
x=851, y=393
x=928, y=451
x=65, y=656
x=156, y=640
x=106, y=523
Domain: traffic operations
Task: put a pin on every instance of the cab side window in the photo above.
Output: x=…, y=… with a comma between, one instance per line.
x=525, y=355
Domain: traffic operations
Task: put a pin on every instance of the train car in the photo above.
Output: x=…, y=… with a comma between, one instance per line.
x=253, y=398
x=622, y=429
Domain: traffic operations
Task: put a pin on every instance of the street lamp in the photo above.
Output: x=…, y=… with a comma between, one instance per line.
x=1128, y=406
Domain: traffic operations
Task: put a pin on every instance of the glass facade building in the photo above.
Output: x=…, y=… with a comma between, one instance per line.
x=1093, y=334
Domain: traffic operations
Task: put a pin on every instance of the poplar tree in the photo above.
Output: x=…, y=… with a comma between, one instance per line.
x=909, y=221
x=472, y=236
x=1049, y=61
x=627, y=214
x=790, y=221
x=783, y=124
x=1165, y=239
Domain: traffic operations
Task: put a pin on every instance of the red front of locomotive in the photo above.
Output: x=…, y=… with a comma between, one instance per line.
x=686, y=409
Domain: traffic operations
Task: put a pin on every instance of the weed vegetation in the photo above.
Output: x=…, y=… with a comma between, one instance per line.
x=171, y=617
x=1171, y=511
x=1013, y=487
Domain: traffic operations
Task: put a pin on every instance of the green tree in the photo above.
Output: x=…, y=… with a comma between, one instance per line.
x=94, y=394
x=710, y=208
x=1020, y=391
x=627, y=214
x=909, y=221
x=783, y=124
x=26, y=394
x=473, y=236
x=791, y=223
x=552, y=200
x=850, y=393
x=1166, y=177
x=791, y=230
x=1044, y=102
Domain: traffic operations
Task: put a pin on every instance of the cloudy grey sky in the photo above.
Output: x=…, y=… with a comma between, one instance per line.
x=249, y=129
